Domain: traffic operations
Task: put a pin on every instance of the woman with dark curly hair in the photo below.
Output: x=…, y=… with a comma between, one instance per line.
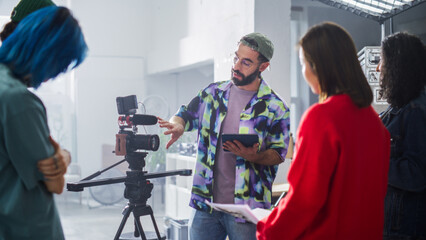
x=403, y=82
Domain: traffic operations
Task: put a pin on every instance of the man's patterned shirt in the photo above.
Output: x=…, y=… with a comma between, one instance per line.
x=265, y=115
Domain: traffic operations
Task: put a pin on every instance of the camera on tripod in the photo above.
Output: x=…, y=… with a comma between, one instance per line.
x=137, y=185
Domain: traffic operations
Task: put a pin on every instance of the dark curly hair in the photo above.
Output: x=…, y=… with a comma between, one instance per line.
x=403, y=70
x=7, y=30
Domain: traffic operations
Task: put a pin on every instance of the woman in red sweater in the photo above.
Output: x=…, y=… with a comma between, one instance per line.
x=338, y=177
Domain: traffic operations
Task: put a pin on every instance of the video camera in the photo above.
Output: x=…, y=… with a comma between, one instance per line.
x=129, y=141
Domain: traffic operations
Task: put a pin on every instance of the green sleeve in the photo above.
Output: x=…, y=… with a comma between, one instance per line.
x=27, y=140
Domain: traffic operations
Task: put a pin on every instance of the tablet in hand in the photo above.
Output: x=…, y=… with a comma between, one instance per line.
x=248, y=140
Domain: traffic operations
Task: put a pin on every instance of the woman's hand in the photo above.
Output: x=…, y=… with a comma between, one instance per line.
x=55, y=167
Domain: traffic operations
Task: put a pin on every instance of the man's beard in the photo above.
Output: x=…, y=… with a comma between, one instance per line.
x=244, y=80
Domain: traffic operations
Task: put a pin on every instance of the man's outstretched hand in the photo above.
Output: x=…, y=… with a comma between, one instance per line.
x=175, y=128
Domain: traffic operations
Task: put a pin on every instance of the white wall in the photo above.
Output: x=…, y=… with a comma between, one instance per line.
x=272, y=18
x=99, y=81
x=189, y=32
x=6, y=7
x=180, y=87
x=115, y=28
x=117, y=35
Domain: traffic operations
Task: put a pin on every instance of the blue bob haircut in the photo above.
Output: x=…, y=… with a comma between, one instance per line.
x=46, y=43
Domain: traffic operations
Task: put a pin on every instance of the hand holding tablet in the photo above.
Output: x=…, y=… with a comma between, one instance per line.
x=248, y=140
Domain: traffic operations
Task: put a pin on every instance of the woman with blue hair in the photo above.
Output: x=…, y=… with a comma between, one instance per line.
x=50, y=167
x=44, y=44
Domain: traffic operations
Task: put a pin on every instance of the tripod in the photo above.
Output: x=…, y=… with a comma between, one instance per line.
x=138, y=190
x=138, y=211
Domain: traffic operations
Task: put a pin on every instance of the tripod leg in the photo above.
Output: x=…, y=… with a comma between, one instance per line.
x=138, y=225
x=155, y=225
x=126, y=214
x=136, y=232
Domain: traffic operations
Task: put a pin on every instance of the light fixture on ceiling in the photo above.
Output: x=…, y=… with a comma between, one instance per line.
x=378, y=10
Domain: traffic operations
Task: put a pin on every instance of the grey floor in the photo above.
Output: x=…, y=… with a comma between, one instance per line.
x=89, y=219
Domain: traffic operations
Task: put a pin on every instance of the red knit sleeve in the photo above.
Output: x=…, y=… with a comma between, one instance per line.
x=316, y=155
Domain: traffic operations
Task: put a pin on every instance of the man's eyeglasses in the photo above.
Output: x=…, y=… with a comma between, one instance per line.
x=246, y=63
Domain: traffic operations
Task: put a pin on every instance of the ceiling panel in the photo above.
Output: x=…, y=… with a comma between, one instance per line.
x=378, y=10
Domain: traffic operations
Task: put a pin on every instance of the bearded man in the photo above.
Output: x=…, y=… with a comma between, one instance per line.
x=229, y=172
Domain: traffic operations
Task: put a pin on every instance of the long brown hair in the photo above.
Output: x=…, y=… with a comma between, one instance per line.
x=330, y=51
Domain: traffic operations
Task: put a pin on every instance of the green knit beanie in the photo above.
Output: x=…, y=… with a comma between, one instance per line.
x=26, y=7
